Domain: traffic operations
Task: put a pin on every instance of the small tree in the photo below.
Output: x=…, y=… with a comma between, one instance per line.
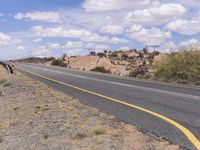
x=101, y=54
x=93, y=53
x=63, y=57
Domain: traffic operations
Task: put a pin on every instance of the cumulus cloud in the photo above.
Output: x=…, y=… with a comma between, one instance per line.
x=149, y=36
x=110, y=5
x=185, y=27
x=82, y=34
x=155, y=15
x=168, y=46
x=96, y=47
x=188, y=42
x=37, y=40
x=112, y=29
x=20, y=48
x=52, y=17
x=7, y=39
x=74, y=48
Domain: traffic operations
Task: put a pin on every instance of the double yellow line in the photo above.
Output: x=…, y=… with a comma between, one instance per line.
x=191, y=137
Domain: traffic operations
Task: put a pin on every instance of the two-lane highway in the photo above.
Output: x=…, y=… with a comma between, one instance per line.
x=168, y=111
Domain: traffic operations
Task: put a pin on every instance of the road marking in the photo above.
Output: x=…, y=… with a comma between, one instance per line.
x=158, y=82
x=191, y=137
x=124, y=84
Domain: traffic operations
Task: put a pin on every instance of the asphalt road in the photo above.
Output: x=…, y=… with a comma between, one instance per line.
x=180, y=103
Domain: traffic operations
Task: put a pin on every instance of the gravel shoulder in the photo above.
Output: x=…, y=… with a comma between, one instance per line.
x=34, y=116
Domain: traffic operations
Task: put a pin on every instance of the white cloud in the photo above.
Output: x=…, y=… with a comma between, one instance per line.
x=54, y=46
x=73, y=45
x=74, y=48
x=186, y=27
x=96, y=47
x=124, y=48
x=82, y=34
x=110, y=5
x=188, y=42
x=151, y=36
x=7, y=39
x=1, y=14
x=169, y=46
x=37, y=40
x=156, y=15
x=20, y=48
x=53, y=17
x=112, y=29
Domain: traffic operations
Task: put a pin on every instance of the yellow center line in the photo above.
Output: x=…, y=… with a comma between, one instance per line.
x=191, y=137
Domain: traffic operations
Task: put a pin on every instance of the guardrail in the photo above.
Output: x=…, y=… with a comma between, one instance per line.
x=8, y=66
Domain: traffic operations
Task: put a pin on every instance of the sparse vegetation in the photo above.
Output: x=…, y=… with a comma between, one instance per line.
x=3, y=81
x=1, y=93
x=79, y=136
x=141, y=72
x=99, y=130
x=124, y=56
x=101, y=69
x=58, y=62
x=101, y=54
x=1, y=139
x=46, y=136
x=113, y=54
x=93, y=53
x=7, y=84
x=183, y=66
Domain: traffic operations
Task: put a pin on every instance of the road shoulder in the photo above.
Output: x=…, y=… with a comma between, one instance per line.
x=36, y=116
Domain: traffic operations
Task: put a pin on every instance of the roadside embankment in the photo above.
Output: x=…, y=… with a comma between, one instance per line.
x=34, y=116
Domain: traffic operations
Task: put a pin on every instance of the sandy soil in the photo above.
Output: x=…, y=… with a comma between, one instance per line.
x=3, y=73
x=90, y=62
x=36, y=117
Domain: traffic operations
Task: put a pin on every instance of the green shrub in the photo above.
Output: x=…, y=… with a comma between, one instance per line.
x=124, y=56
x=99, y=130
x=113, y=54
x=58, y=62
x=180, y=66
x=101, y=69
x=101, y=54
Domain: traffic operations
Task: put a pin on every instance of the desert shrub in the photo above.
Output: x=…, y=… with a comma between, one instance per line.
x=113, y=54
x=140, y=71
x=50, y=58
x=145, y=50
x=101, y=69
x=7, y=84
x=99, y=130
x=93, y=53
x=2, y=81
x=101, y=54
x=180, y=66
x=63, y=57
x=141, y=55
x=124, y=56
x=58, y=62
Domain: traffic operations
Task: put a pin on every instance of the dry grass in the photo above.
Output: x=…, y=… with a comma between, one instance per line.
x=31, y=112
x=7, y=84
x=99, y=131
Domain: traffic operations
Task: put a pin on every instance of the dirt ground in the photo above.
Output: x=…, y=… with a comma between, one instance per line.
x=3, y=73
x=36, y=117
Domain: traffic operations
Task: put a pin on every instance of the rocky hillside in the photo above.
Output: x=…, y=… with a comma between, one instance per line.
x=124, y=63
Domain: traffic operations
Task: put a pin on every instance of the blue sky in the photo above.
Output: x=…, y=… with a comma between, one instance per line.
x=30, y=28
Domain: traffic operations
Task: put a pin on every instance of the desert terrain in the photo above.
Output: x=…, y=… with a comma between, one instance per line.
x=34, y=116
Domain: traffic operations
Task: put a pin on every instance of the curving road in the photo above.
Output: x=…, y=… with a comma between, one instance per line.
x=133, y=101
